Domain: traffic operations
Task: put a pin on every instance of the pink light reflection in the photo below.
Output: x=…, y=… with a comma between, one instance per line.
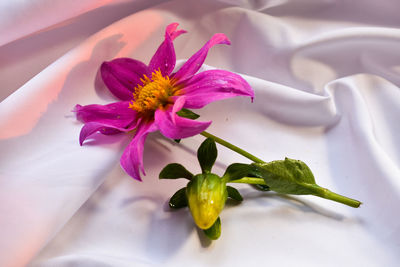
x=21, y=111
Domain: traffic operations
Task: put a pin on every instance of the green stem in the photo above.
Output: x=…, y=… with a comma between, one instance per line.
x=249, y=180
x=327, y=194
x=232, y=147
x=341, y=199
x=316, y=190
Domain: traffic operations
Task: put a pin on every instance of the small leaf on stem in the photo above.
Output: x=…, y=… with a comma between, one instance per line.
x=175, y=171
x=178, y=200
x=214, y=232
x=186, y=113
x=237, y=170
x=207, y=154
x=261, y=187
x=234, y=193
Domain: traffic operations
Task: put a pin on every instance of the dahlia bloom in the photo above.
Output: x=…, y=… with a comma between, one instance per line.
x=151, y=95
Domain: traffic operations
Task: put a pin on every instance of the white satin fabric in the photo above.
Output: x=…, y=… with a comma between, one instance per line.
x=326, y=76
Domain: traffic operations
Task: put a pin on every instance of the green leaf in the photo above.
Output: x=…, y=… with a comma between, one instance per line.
x=287, y=176
x=186, y=113
x=214, y=232
x=179, y=200
x=207, y=154
x=261, y=187
x=175, y=171
x=291, y=176
x=234, y=193
x=238, y=170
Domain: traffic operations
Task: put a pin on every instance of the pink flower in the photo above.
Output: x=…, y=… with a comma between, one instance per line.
x=151, y=95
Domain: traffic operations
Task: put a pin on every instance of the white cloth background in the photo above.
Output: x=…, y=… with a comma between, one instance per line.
x=326, y=76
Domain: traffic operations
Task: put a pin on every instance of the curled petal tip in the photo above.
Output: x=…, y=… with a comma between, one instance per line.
x=172, y=31
x=221, y=38
x=84, y=134
x=172, y=27
x=173, y=24
x=138, y=179
x=143, y=171
x=76, y=108
x=81, y=140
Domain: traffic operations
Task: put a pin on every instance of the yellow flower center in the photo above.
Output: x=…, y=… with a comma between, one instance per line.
x=155, y=93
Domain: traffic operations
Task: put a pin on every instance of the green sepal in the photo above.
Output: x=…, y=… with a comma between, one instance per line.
x=186, y=113
x=175, y=171
x=287, y=176
x=179, y=199
x=237, y=170
x=207, y=154
x=214, y=232
x=234, y=193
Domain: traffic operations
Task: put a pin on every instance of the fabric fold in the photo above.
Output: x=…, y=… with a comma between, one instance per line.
x=326, y=92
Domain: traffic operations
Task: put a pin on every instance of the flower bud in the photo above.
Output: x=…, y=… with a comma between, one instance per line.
x=206, y=194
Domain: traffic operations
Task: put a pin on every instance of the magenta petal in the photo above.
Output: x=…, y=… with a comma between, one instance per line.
x=121, y=76
x=164, y=58
x=194, y=62
x=118, y=114
x=212, y=85
x=132, y=158
x=105, y=128
x=108, y=119
x=176, y=127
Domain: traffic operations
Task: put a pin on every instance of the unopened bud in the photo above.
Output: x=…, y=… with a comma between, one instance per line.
x=206, y=194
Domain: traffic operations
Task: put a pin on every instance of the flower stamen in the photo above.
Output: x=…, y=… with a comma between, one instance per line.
x=155, y=93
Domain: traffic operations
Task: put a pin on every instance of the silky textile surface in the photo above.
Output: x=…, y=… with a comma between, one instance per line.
x=326, y=76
